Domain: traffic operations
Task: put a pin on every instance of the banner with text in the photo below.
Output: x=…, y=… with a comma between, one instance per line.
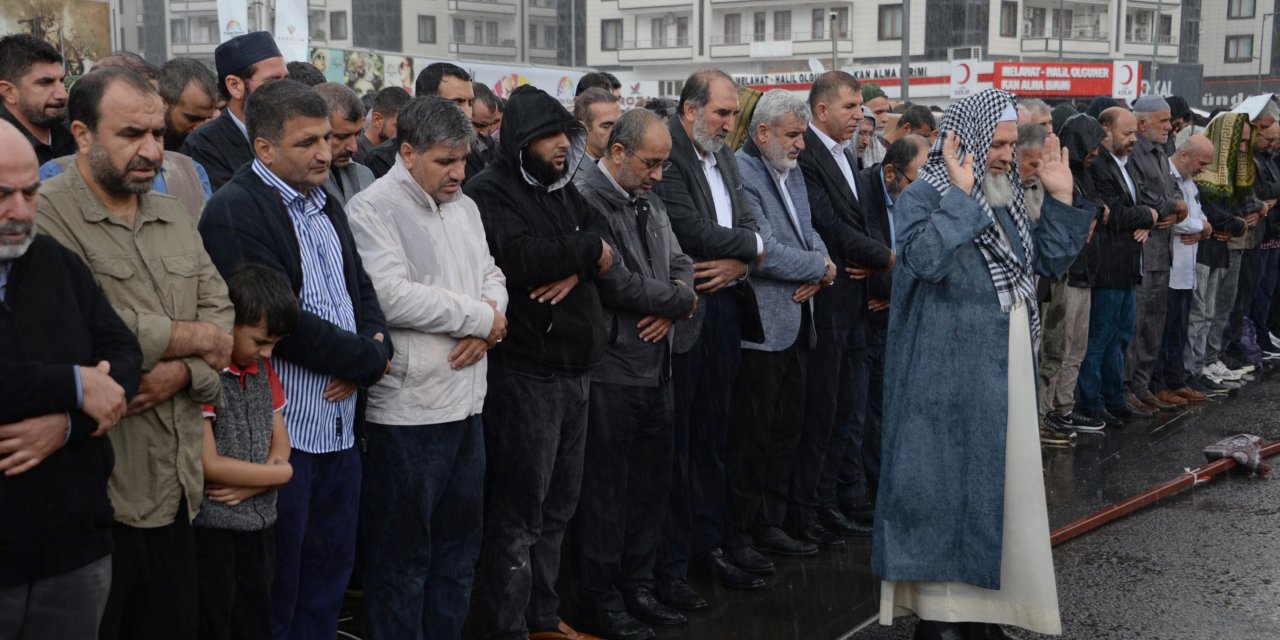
x=233, y=19
x=1119, y=79
x=291, y=29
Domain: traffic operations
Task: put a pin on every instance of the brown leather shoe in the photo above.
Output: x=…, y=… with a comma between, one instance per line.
x=1171, y=398
x=1191, y=395
x=1152, y=401
x=572, y=634
x=1135, y=402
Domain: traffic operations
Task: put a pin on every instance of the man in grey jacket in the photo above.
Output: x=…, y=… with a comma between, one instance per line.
x=346, y=115
x=630, y=432
x=769, y=392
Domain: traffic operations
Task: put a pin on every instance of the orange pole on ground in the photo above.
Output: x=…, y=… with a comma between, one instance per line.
x=1129, y=505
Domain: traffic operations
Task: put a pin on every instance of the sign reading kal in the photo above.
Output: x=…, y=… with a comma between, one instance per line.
x=1056, y=79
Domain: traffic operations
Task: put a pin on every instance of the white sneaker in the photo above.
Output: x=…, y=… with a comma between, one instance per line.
x=1275, y=340
x=1245, y=370
x=1213, y=377
x=1223, y=372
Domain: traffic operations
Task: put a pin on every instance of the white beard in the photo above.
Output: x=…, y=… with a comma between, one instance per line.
x=14, y=251
x=998, y=191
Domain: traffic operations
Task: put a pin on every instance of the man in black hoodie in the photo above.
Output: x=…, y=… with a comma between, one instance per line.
x=552, y=246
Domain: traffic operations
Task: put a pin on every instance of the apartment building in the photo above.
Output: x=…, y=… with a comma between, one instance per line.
x=1237, y=45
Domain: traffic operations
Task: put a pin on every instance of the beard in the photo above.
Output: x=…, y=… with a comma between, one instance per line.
x=780, y=158
x=998, y=190
x=709, y=142
x=13, y=251
x=39, y=115
x=544, y=172
x=118, y=182
x=632, y=181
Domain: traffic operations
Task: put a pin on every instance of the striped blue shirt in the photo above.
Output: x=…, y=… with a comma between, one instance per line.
x=315, y=424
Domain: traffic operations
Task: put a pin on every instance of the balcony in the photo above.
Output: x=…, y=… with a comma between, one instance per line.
x=542, y=8
x=785, y=45
x=483, y=48
x=487, y=7
x=653, y=5
x=1080, y=41
x=655, y=50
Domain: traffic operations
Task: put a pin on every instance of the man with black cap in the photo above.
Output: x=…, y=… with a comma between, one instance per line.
x=244, y=63
x=552, y=246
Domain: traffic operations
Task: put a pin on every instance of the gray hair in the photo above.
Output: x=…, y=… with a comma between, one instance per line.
x=775, y=105
x=342, y=101
x=629, y=131
x=697, y=89
x=1031, y=136
x=427, y=121
x=1035, y=105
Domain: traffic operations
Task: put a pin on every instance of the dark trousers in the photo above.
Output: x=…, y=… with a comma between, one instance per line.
x=1250, y=270
x=67, y=606
x=863, y=450
x=235, y=569
x=1171, y=373
x=153, y=582
x=702, y=381
x=1148, y=333
x=1101, y=380
x=421, y=515
x=315, y=543
x=534, y=435
x=766, y=414
x=625, y=485
x=829, y=400
x=1260, y=308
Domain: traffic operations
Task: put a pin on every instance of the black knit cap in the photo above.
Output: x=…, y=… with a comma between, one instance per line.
x=242, y=51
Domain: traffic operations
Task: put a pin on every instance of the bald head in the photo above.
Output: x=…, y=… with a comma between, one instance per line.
x=19, y=179
x=1122, y=131
x=1193, y=155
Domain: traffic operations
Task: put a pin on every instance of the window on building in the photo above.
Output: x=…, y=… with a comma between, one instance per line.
x=338, y=25
x=206, y=30
x=658, y=32
x=548, y=36
x=459, y=30
x=477, y=31
x=758, y=28
x=427, y=29
x=817, y=30
x=1008, y=19
x=178, y=31
x=890, y=23
x=610, y=35
x=841, y=23
x=1138, y=25
x=733, y=28
x=781, y=25
x=1064, y=21
x=1034, y=25
x=1239, y=49
x=682, y=31
x=315, y=24
x=533, y=36
x=1240, y=9
x=1166, y=29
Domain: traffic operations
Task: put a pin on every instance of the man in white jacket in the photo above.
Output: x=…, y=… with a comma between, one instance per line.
x=423, y=245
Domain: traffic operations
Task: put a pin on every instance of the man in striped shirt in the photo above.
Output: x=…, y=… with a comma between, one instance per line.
x=275, y=211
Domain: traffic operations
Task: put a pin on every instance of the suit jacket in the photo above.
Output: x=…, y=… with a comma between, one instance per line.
x=687, y=196
x=880, y=285
x=355, y=178
x=220, y=147
x=840, y=219
x=1149, y=167
x=1116, y=257
x=794, y=253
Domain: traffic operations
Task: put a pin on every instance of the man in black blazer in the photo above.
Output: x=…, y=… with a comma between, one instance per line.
x=703, y=195
x=837, y=201
x=244, y=63
x=1116, y=259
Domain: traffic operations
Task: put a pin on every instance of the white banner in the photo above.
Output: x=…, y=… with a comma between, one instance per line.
x=964, y=78
x=291, y=29
x=233, y=18
x=1125, y=80
x=503, y=79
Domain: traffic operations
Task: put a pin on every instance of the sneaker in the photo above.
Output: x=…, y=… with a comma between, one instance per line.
x=1071, y=421
x=1275, y=340
x=1222, y=372
x=1245, y=369
x=1093, y=420
x=1208, y=387
x=1051, y=437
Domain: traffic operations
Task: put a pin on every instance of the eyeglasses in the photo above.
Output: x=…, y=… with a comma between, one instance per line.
x=665, y=165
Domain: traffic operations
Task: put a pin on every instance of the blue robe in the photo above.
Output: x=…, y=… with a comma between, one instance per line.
x=939, y=509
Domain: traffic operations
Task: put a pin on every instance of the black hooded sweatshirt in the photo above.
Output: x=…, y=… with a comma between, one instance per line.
x=539, y=234
x=1081, y=134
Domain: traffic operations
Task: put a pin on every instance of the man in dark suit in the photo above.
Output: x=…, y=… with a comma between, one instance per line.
x=836, y=195
x=244, y=63
x=703, y=195
x=1117, y=263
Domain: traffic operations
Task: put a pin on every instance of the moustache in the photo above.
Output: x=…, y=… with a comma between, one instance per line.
x=138, y=164
x=23, y=229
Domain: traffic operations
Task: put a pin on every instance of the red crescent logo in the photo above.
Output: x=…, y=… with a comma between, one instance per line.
x=966, y=73
x=1128, y=70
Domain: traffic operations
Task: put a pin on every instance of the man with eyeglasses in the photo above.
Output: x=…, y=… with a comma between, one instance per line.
x=630, y=429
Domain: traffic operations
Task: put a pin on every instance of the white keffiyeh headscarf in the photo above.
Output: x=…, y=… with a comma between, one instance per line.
x=974, y=119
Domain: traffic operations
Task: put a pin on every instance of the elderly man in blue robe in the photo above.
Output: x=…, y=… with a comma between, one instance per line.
x=961, y=533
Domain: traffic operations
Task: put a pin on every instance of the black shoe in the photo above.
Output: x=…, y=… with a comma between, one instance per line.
x=614, y=625
x=1129, y=412
x=645, y=607
x=813, y=531
x=1204, y=385
x=985, y=631
x=934, y=630
x=677, y=593
x=836, y=523
x=857, y=511
x=728, y=575
x=1070, y=421
x=776, y=541
x=749, y=560
x=1108, y=421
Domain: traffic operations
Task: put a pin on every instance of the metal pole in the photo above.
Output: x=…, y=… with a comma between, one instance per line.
x=1262, y=37
x=573, y=33
x=905, y=71
x=835, y=54
x=1155, y=45
x=1061, y=13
